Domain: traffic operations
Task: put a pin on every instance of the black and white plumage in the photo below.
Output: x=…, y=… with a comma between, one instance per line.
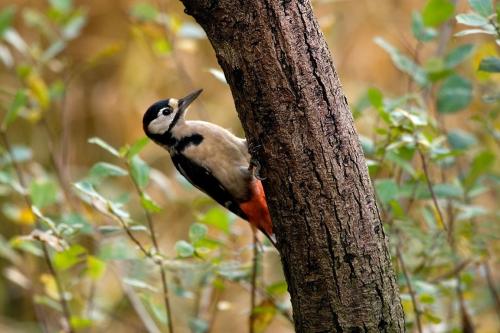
x=210, y=157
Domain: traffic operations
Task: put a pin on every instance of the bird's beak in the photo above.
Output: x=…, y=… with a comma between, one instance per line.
x=186, y=101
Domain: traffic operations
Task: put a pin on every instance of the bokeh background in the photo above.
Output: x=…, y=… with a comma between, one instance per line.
x=91, y=68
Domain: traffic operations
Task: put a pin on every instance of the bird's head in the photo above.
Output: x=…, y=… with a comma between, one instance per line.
x=163, y=115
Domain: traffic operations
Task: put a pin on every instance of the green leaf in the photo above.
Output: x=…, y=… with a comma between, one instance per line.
x=144, y=11
x=480, y=165
x=278, y=288
x=387, y=190
x=490, y=64
x=136, y=147
x=437, y=12
x=218, y=218
x=472, y=20
x=184, y=249
x=454, y=95
x=461, y=140
x=139, y=171
x=138, y=284
x=95, y=268
x=6, y=17
x=80, y=323
x=43, y=193
x=483, y=7
x=62, y=6
x=197, y=231
x=403, y=63
x=448, y=191
x=70, y=257
x=420, y=31
x=198, y=325
x=102, y=170
x=20, y=100
x=104, y=145
x=149, y=204
x=73, y=28
x=457, y=55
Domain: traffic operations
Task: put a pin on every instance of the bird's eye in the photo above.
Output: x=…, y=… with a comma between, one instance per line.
x=166, y=111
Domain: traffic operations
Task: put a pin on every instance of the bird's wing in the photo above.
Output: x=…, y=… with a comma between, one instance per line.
x=203, y=179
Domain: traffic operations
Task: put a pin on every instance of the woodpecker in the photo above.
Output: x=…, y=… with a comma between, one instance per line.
x=211, y=158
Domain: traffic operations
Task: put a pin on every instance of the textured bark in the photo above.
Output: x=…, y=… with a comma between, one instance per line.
x=292, y=108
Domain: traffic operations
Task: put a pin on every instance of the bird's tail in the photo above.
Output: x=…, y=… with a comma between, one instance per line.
x=257, y=211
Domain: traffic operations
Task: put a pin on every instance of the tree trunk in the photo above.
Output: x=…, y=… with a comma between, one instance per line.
x=293, y=111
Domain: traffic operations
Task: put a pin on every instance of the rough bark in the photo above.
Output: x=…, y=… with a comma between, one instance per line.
x=290, y=102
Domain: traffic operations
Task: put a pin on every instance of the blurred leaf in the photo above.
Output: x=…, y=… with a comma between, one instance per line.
x=136, y=147
x=50, y=286
x=454, y=95
x=80, y=323
x=76, y=221
x=191, y=30
x=474, y=31
x=43, y=193
x=22, y=215
x=6, y=56
x=263, y=316
x=104, y=145
x=278, y=288
x=483, y=7
x=47, y=301
x=472, y=20
x=469, y=212
x=490, y=64
x=39, y=89
x=144, y=11
x=448, y=191
x=457, y=55
x=480, y=165
x=403, y=63
x=218, y=218
x=95, y=268
x=149, y=204
x=367, y=145
x=197, y=231
x=387, y=190
x=102, y=170
x=436, y=12
x=6, y=18
x=139, y=171
x=139, y=284
x=218, y=74
x=158, y=310
x=184, y=249
x=62, y=6
x=73, y=28
x=68, y=258
x=117, y=251
x=432, y=317
x=161, y=47
x=54, y=49
x=26, y=244
x=420, y=31
x=461, y=140
x=198, y=325
x=20, y=100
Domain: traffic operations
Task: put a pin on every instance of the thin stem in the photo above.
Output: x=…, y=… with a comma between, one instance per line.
x=253, y=291
x=406, y=275
x=163, y=274
x=491, y=287
x=431, y=189
x=60, y=290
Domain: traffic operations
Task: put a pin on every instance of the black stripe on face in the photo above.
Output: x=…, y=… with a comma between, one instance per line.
x=175, y=120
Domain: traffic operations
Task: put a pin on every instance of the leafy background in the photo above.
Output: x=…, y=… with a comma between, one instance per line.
x=95, y=222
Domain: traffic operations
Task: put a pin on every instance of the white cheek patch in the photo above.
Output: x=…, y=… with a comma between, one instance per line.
x=160, y=125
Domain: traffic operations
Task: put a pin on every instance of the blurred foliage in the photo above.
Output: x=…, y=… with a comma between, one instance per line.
x=95, y=229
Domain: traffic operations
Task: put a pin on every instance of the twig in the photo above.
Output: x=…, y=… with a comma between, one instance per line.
x=406, y=275
x=253, y=291
x=163, y=274
x=491, y=286
x=430, y=187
